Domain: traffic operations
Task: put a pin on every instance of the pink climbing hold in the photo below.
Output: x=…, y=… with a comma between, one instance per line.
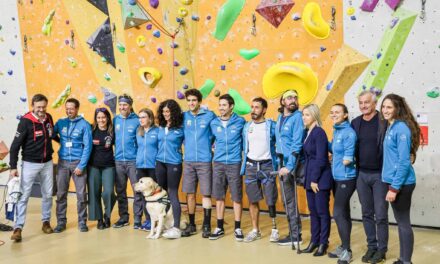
x=369, y=5
x=393, y=3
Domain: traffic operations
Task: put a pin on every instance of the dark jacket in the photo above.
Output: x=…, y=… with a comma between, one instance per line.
x=356, y=125
x=317, y=166
x=34, y=138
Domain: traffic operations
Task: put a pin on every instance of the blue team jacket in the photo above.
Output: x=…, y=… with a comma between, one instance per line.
x=125, y=135
x=170, y=145
x=198, y=136
x=397, y=169
x=343, y=148
x=270, y=126
x=228, y=141
x=147, y=148
x=289, y=138
x=75, y=140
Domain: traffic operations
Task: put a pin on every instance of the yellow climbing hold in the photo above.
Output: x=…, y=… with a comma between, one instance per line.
x=186, y=2
x=313, y=21
x=183, y=12
x=290, y=75
x=150, y=76
x=140, y=41
x=350, y=11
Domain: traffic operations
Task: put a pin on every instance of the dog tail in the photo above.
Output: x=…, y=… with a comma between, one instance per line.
x=183, y=224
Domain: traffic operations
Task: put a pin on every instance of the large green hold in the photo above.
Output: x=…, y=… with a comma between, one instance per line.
x=389, y=49
x=241, y=107
x=226, y=17
x=207, y=88
x=132, y=15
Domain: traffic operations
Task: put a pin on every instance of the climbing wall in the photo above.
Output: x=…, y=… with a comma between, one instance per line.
x=328, y=50
x=12, y=76
x=412, y=73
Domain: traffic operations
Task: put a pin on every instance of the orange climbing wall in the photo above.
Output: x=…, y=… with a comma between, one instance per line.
x=48, y=71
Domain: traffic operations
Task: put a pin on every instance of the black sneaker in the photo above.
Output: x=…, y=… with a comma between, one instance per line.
x=378, y=257
x=189, y=230
x=120, y=223
x=59, y=228
x=398, y=262
x=238, y=233
x=218, y=233
x=287, y=241
x=368, y=255
x=83, y=227
x=100, y=224
x=137, y=225
x=206, y=231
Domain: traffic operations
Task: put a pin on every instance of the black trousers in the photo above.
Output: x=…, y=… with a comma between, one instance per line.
x=341, y=209
x=401, y=208
x=168, y=177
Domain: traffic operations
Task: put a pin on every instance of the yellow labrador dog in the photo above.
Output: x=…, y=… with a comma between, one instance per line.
x=158, y=206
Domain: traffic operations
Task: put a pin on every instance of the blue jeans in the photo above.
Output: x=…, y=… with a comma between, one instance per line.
x=30, y=171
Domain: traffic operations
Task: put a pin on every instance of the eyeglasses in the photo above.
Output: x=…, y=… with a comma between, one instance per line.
x=143, y=117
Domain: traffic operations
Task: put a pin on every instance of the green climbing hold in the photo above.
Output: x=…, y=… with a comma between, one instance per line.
x=241, y=106
x=207, y=88
x=92, y=99
x=226, y=17
x=120, y=47
x=249, y=54
x=434, y=93
x=217, y=93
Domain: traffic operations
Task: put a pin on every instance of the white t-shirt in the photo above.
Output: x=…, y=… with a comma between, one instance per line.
x=225, y=123
x=259, y=148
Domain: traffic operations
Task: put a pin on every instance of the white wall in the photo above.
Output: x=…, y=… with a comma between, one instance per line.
x=416, y=71
x=13, y=85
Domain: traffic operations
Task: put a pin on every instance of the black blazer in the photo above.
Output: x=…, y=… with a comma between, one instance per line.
x=317, y=166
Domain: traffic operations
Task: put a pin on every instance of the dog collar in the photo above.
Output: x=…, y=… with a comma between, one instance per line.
x=158, y=190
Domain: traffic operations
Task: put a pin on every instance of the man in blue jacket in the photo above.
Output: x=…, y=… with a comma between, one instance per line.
x=227, y=129
x=75, y=138
x=198, y=156
x=289, y=134
x=370, y=131
x=259, y=160
x=126, y=125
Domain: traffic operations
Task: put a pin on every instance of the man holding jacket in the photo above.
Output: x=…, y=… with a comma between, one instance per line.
x=75, y=137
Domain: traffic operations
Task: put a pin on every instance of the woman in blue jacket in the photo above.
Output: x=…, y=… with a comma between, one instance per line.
x=146, y=138
x=344, y=174
x=169, y=157
x=318, y=180
x=402, y=140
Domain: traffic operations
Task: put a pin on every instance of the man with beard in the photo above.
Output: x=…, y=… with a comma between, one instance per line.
x=75, y=138
x=259, y=160
x=289, y=134
x=227, y=129
x=34, y=137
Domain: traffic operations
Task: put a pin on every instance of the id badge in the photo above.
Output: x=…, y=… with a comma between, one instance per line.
x=69, y=144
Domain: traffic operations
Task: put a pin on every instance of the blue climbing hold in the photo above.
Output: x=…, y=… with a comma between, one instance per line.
x=12, y=52
x=183, y=71
x=323, y=48
x=156, y=33
x=223, y=67
x=23, y=99
x=10, y=72
x=329, y=86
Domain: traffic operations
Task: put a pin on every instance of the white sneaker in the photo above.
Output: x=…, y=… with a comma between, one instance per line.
x=252, y=236
x=172, y=233
x=274, y=236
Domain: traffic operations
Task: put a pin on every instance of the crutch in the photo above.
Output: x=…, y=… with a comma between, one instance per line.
x=281, y=159
x=298, y=217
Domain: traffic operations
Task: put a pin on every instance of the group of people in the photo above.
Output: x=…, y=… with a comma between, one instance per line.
x=372, y=155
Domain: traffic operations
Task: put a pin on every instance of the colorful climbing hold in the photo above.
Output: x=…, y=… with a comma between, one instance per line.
x=72, y=61
x=23, y=99
x=47, y=25
x=186, y=2
x=217, y=93
x=195, y=17
x=241, y=107
x=92, y=99
x=322, y=48
x=176, y=63
x=183, y=12
x=62, y=97
x=183, y=71
x=154, y=3
x=12, y=52
x=10, y=72
x=174, y=45
x=249, y=54
x=185, y=86
x=434, y=92
x=353, y=18
x=160, y=51
x=153, y=99
x=394, y=22
x=378, y=55
x=140, y=41
x=180, y=95
x=274, y=11
x=120, y=47
x=149, y=27
x=296, y=16
x=207, y=87
x=329, y=86
x=178, y=19
x=226, y=17
x=223, y=67
x=156, y=33
x=351, y=10
x=208, y=17
x=4, y=92
x=18, y=117
x=313, y=21
x=150, y=76
x=132, y=2
x=107, y=77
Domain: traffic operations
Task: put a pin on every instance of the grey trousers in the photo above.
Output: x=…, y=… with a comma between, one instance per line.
x=65, y=172
x=127, y=170
x=291, y=205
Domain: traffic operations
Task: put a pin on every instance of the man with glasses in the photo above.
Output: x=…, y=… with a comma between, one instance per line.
x=126, y=125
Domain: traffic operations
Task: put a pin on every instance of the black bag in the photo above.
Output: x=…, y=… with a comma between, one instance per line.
x=298, y=174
